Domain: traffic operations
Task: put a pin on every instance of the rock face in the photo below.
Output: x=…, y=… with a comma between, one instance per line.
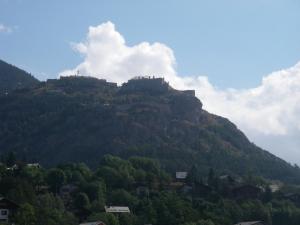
x=12, y=78
x=76, y=119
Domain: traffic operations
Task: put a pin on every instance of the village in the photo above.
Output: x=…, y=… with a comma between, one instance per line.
x=183, y=183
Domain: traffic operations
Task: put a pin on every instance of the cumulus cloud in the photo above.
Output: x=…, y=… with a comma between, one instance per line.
x=269, y=114
x=5, y=29
x=106, y=55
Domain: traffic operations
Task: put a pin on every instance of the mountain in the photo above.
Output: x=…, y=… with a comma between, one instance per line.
x=80, y=119
x=12, y=78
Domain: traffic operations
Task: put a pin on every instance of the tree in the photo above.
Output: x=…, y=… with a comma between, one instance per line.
x=122, y=197
x=11, y=159
x=95, y=191
x=82, y=201
x=267, y=196
x=82, y=204
x=50, y=210
x=211, y=177
x=204, y=222
x=26, y=215
x=56, y=178
x=194, y=175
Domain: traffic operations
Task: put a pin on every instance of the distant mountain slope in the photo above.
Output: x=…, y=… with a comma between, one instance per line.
x=81, y=119
x=12, y=78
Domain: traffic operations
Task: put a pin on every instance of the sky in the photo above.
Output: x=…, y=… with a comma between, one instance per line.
x=242, y=57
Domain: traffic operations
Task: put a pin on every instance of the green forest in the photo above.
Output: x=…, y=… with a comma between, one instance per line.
x=72, y=193
x=101, y=145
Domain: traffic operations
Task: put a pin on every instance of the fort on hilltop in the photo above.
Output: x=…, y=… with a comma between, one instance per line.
x=150, y=84
x=80, y=82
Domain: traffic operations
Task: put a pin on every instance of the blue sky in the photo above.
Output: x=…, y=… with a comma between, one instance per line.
x=232, y=42
x=242, y=57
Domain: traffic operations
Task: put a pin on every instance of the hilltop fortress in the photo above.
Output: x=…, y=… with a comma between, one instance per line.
x=150, y=84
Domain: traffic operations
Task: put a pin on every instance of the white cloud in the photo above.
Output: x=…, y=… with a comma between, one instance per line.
x=106, y=55
x=5, y=29
x=269, y=114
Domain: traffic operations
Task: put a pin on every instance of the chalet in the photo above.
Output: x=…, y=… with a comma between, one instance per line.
x=93, y=223
x=274, y=187
x=251, y=223
x=33, y=165
x=246, y=192
x=181, y=176
x=117, y=209
x=13, y=168
x=7, y=208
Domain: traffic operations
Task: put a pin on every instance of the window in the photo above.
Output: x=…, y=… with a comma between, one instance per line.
x=4, y=212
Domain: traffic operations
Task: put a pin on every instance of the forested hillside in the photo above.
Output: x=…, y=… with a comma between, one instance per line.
x=72, y=193
x=80, y=119
x=12, y=78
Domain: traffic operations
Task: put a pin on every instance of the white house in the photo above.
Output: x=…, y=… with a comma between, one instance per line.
x=181, y=175
x=93, y=223
x=7, y=208
x=250, y=223
x=117, y=209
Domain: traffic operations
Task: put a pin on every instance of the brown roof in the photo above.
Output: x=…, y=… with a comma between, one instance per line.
x=6, y=203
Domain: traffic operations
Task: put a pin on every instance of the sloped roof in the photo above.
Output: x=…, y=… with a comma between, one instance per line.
x=7, y=203
x=249, y=223
x=93, y=223
x=117, y=209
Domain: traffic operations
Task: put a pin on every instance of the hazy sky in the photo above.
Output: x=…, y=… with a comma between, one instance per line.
x=240, y=56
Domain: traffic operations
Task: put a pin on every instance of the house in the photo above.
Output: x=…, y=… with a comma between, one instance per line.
x=274, y=187
x=251, y=223
x=13, y=168
x=93, y=223
x=7, y=208
x=181, y=176
x=117, y=209
x=33, y=165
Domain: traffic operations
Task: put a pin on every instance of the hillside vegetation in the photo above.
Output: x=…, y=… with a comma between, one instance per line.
x=72, y=193
x=80, y=119
x=12, y=78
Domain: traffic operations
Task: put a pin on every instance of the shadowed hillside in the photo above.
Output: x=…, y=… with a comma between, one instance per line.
x=81, y=119
x=12, y=78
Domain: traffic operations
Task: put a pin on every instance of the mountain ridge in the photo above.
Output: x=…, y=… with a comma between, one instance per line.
x=11, y=78
x=80, y=119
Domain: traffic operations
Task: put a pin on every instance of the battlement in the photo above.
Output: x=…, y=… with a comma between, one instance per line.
x=189, y=92
x=79, y=83
x=146, y=84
